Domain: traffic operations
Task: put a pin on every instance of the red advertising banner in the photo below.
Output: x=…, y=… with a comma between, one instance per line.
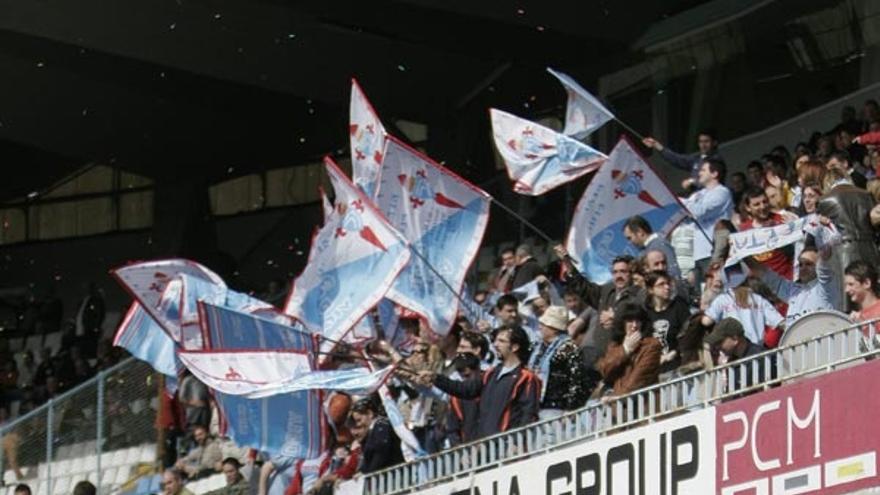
x=818, y=435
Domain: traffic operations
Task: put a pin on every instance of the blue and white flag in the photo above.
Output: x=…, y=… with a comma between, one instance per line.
x=353, y=381
x=583, y=113
x=145, y=339
x=247, y=349
x=444, y=217
x=538, y=158
x=172, y=308
x=367, y=137
x=356, y=256
x=229, y=328
x=625, y=186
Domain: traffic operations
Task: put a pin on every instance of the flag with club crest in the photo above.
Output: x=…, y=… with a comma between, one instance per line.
x=367, y=137
x=625, y=186
x=583, y=112
x=444, y=217
x=538, y=158
x=148, y=283
x=354, y=259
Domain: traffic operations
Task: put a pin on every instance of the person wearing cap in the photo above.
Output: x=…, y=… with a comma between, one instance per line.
x=729, y=338
x=557, y=362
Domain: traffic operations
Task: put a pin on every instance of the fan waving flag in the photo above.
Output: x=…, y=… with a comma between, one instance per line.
x=538, y=158
x=625, y=186
x=354, y=260
x=367, y=138
x=444, y=218
x=583, y=113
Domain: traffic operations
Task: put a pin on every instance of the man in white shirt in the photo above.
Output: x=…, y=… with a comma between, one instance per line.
x=707, y=206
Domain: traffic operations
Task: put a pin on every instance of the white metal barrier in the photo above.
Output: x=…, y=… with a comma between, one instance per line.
x=842, y=348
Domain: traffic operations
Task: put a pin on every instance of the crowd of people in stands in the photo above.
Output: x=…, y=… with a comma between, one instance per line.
x=550, y=340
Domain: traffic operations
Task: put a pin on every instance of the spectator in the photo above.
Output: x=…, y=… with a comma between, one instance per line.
x=755, y=174
x=557, y=362
x=22, y=489
x=236, y=484
x=473, y=343
x=90, y=319
x=848, y=208
x=381, y=446
x=641, y=235
x=708, y=205
x=462, y=417
x=172, y=483
x=201, y=460
x=758, y=207
x=28, y=369
x=707, y=144
x=506, y=313
x=84, y=488
x=753, y=311
x=502, y=279
x=667, y=316
x=729, y=338
x=816, y=288
x=508, y=392
x=812, y=192
x=860, y=280
x=607, y=297
x=527, y=267
x=194, y=398
x=632, y=360
x=738, y=185
x=840, y=160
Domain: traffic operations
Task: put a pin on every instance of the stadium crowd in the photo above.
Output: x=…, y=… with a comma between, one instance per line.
x=550, y=340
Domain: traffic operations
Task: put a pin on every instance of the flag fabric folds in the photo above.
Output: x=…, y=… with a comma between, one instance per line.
x=145, y=339
x=625, y=186
x=444, y=218
x=354, y=259
x=583, y=112
x=538, y=158
x=148, y=283
x=367, y=137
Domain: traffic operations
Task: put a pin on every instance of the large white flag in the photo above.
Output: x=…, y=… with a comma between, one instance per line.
x=444, y=217
x=355, y=258
x=367, y=136
x=538, y=158
x=583, y=113
x=625, y=186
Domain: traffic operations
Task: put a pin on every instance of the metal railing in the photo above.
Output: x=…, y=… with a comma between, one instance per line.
x=81, y=431
x=821, y=354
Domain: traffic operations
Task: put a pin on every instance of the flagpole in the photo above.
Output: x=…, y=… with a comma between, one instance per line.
x=628, y=128
x=523, y=220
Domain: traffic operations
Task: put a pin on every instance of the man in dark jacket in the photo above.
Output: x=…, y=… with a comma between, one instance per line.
x=708, y=148
x=849, y=207
x=509, y=393
x=381, y=446
x=463, y=415
x=527, y=268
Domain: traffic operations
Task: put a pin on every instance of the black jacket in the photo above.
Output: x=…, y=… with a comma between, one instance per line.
x=526, y=272
x=506, y=402
x=381, y=447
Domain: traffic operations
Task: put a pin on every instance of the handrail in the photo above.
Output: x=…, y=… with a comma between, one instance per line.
x=690, y=392
x=41, y=409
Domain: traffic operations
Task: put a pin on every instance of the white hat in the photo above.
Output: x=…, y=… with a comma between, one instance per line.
x=555, y=317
